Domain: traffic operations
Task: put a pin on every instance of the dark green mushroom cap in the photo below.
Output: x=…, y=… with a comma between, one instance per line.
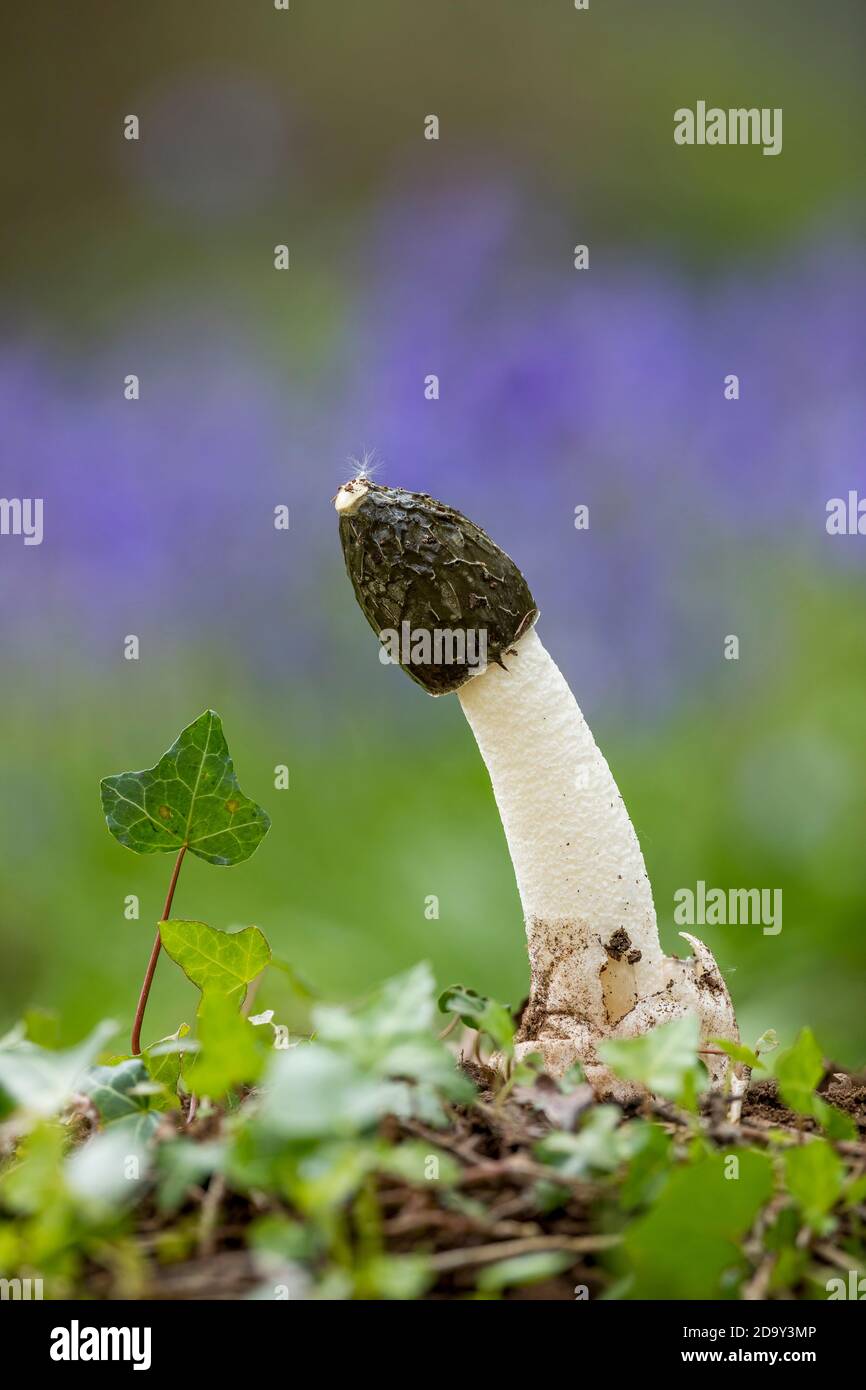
x=413, y=560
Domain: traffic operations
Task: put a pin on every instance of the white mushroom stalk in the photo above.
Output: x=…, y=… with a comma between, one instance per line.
x=598, y=970
x=597, y=967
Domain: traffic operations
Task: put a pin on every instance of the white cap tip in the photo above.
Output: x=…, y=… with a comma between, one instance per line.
x=350, y=496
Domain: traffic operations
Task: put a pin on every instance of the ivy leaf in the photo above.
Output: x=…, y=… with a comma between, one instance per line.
x=191, y=797
x=477, y=1011
x=183, y=1164
x=648, y=1166
x=390, y=1034
x=110, y=1169
x=814, y=1174
x=738, y=1052
x=402, y=1007
x=767, y=1042
x=599, y=1145
x=218, y=962
x=311, y=1092
x=834, y=1122
x=397, y=1277
x=42, y=1081
x=798, y=1071
x=418, y=1162
x=229, y=1053
x=164, y=1061
x=112, y=1089
x=691, y=1235
x=524, y=1269
x=664, y=1060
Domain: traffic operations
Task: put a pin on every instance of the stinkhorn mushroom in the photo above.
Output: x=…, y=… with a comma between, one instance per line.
x=597, y=968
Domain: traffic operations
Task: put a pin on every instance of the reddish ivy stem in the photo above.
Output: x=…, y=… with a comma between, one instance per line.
x=154, y=957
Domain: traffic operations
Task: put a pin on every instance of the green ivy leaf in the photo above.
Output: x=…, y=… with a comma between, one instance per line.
x=164, y=1062
x=111, y=1168
x=183, y=1164
x=855, y=1192
x=230, y=1054
x=599, y=1146
x=799, y=1070
x=815, y=1175
x=42, y=1081
x=664, y=1060
x=400, y=1008
x=396, y=1277
x=834, y=1122
x=390, y=1034
x=648, y=1166
x=477, y=1011
x=738, y=1052
x=312, y=1092
x=521, y=1270
x=218, y=962
x=28, y=1185
x=417, y=1162
x=113, y=1089
x=690, y=1236
x=191, y=797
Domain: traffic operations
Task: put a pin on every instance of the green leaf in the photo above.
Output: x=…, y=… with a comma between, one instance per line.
x=401, y=1277
x=689, y=1238
x=479, y=1012
x=815, y=1175
x=312, y=1092
x=767, y=1042
x=164, y=1062
x=390, y=1035
x=600, y=1145
x=230, y=1054
x=191, y=797
x=737, y=1052
x=855, y=1192
x=42, y=1081
x=112, y=1167
x=798, y=1071
x=29, y=1184
x=533, y=1268
x=648, y=1166
x=183, y=1164
x=112, y=1089
x=402, y=1007
x=664, y=1060
x=283, y=1238
x=419, y=1162
x=218, y=962
x=835, y=1123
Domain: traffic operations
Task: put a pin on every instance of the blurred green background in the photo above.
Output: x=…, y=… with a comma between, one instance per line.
x=559, y=387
